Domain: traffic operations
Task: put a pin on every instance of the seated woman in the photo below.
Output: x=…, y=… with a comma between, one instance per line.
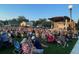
x=43, y=36
x=50, y=38
x=26, y=48
x=26, y=45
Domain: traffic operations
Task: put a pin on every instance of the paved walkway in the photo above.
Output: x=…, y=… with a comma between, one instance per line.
x=75, y=50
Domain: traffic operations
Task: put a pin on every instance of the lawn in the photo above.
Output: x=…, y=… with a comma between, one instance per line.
x=51, y=49
x=55, y=49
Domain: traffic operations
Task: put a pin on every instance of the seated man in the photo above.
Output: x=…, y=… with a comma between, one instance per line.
x=4, y=38
x=38, y=46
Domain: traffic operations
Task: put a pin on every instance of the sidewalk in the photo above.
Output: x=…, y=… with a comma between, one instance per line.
x=75, y=50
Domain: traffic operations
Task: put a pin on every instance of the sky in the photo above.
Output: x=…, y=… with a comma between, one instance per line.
x=36, y=11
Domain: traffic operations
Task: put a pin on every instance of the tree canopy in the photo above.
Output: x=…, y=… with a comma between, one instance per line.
x=15, y=21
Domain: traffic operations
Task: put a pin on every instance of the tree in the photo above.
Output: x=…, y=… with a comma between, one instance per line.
x=22, y=18
x=5, y=22
x=42, y=23
x=13, y=22
x=1, y=23
x=34, y=23
x=46, y=24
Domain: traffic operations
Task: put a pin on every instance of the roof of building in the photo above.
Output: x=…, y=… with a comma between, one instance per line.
x=60, y=18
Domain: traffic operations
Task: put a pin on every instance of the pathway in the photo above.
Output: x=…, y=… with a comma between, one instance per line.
x=75, y=50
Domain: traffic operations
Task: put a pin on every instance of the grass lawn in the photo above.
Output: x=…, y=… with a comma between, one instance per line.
x=54, y=49
x=51, y=49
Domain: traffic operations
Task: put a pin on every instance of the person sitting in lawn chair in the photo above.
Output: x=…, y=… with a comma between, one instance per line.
x=69, y=37
x=38, y=46
x=43, y=36
x=62, y=40
x=17, y=47
x=10, y=38
x=5, y=40
x=26, y=46
x=50, y=38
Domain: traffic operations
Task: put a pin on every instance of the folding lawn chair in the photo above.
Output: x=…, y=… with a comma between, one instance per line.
x=17, y=47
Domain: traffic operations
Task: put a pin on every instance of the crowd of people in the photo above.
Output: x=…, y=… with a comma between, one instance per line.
x=33, y=40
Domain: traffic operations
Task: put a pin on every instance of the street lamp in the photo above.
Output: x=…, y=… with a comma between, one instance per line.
x=70, y=9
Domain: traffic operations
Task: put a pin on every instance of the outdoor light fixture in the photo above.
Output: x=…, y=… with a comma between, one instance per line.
x=70, y=7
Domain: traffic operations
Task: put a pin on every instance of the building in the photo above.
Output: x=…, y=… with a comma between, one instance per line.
x=23, y=24
x=62, y=23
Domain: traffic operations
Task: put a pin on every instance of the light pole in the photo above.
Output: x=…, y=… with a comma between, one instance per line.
x=70, y=11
